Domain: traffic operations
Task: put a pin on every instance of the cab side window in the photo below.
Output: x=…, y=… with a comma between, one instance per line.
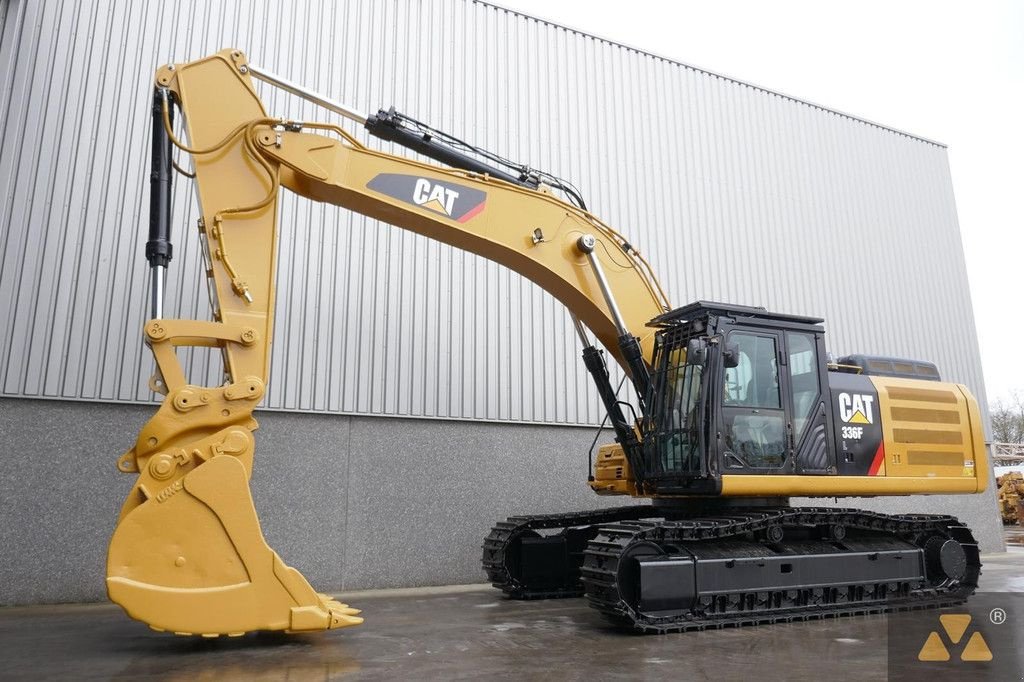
x=803, y=372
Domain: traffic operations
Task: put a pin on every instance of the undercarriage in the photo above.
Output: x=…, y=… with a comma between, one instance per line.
x=655, y=569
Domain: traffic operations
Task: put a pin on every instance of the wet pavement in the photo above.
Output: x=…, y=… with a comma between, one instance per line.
x=453, y=633
x=1014, y=536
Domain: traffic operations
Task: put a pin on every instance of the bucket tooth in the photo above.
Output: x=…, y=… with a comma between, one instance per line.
x=338, y=606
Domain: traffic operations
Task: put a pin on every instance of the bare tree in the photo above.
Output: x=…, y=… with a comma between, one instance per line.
x=1008, y=419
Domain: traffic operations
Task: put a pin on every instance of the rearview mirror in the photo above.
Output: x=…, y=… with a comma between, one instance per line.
x=731, y=356
x=696, y=351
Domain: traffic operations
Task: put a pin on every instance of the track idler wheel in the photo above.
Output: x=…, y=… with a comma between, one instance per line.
x=628, y=577
x=190, y=558
x=945, y=559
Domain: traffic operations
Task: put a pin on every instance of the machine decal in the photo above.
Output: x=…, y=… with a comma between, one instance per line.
x=857, y=425
x=458, y=202
x=878, y=463
x=856, y=408
x=853, y=432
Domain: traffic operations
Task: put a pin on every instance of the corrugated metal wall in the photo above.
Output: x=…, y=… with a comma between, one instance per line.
x=734, y=193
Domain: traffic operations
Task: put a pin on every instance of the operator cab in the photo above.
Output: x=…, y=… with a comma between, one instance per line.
x=735, y=390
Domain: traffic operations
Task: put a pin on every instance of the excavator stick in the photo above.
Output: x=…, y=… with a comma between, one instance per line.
x=188, y=555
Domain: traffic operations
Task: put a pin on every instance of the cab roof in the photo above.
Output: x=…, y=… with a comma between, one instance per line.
x=704, y=309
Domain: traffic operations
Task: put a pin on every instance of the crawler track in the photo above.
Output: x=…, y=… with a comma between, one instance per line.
x=604, y=548
x=501, y=546
x=606, y=592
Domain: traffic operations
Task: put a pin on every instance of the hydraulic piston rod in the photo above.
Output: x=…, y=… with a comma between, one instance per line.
x=307, y=94
x=628, y=343
x=586, y=244
x=159, y=249
x=389, y=126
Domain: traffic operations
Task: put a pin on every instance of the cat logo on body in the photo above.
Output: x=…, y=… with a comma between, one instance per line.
x=856, y=408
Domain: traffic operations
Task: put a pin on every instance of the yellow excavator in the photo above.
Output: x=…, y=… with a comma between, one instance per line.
x=733, y=409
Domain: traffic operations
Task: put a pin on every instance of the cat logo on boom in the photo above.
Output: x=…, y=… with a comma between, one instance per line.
x=856, y=408
x=458, y=202
x=436, y=197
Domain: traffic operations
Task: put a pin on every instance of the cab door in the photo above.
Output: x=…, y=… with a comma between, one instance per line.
x=755, y=430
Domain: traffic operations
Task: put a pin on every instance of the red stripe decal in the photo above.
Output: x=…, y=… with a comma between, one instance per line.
x=876, y=463
x=473, y=211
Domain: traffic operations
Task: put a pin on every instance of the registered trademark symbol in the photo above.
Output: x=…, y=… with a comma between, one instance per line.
x=997, y=616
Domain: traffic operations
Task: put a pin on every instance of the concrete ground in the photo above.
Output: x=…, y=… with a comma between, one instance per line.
x=455, y=633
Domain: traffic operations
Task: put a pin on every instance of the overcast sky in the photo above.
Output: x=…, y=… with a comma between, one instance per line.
x=949, y=71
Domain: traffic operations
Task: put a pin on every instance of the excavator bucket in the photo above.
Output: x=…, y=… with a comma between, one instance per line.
x=188, y=555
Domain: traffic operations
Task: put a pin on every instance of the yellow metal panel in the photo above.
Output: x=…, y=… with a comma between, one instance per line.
x=978, y=448
x=612, y=475
x=838, y=486
x=928, y=429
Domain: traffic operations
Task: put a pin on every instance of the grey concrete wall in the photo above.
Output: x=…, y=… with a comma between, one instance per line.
x=352, y=502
